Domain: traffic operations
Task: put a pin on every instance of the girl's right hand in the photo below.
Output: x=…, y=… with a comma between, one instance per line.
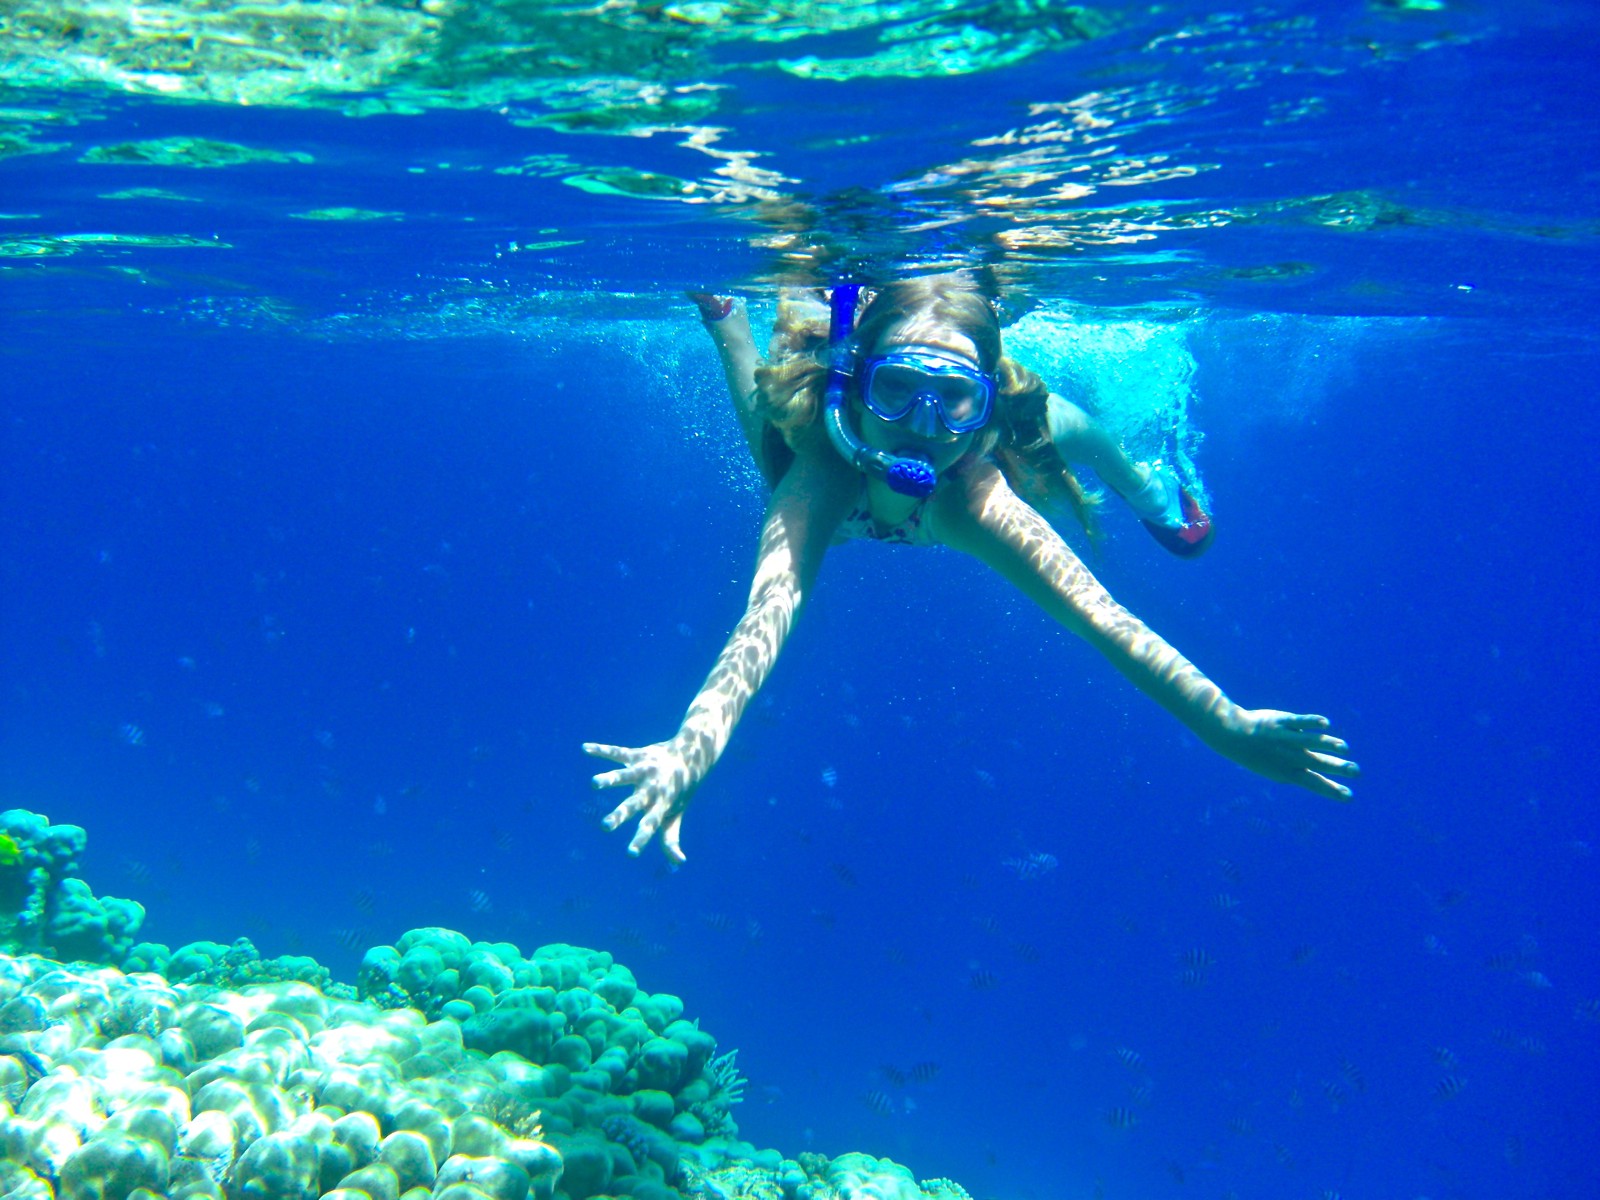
x=662, y=781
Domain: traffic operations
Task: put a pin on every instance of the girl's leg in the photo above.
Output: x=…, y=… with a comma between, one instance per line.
x=1155, y=493
x=1078, y=439
x=728, y=324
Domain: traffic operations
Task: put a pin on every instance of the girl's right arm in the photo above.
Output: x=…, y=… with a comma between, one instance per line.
x=806, y=508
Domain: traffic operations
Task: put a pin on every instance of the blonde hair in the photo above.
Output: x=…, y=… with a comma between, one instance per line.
x=791, y=387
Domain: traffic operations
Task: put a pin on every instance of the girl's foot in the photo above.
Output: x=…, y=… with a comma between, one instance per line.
x=712, y=308
x=1172, y=513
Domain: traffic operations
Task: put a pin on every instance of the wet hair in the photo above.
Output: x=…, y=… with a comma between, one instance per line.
x=790, y=389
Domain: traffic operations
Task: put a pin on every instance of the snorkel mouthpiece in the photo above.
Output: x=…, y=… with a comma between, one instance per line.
x=911, y=476
x=908, y=476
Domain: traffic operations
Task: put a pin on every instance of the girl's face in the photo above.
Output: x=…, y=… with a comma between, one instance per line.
x=917, y=433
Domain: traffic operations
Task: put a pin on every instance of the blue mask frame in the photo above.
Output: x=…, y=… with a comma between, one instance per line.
x=950, y=381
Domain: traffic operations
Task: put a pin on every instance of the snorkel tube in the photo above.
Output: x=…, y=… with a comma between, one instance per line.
x=908, y=476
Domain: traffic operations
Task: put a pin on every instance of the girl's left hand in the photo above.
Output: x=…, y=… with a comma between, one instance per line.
x=1286, y=747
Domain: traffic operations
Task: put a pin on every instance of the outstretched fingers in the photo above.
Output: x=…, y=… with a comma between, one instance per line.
x=621, y=754
x=1307, y=754
x=669, y=839
x=655, y=818
x=1307, y=731
x=648, y=824
x=622, y=776
x=628, y=809
x=631, y=773
x=1334, y=765
x=1327, y=788
x=1302, y=723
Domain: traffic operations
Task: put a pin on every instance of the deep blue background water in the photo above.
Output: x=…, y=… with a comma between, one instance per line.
x=365, y=572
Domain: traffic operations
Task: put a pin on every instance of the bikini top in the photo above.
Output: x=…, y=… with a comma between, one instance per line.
x=859, y=525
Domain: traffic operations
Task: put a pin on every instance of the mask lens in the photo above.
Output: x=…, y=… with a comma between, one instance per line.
x=892, y=388
x=898, y=382
x=960, y=404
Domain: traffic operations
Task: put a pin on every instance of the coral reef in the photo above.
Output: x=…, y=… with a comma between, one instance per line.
x=45, y=908
x=237, y=965
x=273, y=1092
x=451, y=1070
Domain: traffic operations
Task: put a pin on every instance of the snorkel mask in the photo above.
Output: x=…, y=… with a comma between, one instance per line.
x=928, y=389
x=906, y=474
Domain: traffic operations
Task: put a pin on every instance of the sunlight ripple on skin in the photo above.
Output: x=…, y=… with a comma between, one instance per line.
x=666, y=773
x=990, y=521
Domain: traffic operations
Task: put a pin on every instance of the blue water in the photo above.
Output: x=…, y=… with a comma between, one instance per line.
x=325, y=547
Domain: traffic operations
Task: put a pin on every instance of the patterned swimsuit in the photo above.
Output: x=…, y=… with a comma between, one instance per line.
x=859, y=525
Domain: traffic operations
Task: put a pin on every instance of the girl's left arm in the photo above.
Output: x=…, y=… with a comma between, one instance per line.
x=978, y=513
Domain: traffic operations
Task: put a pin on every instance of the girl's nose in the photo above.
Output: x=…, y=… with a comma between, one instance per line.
x=925, y=417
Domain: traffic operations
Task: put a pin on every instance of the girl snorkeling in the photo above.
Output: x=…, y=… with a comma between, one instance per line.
x=899, y=417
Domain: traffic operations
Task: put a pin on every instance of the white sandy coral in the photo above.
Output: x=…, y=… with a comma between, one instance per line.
x=270, y=1093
